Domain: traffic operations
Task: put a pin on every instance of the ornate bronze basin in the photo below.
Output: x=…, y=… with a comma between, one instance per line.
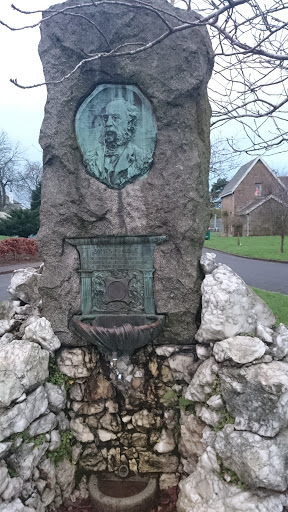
x=118, y=333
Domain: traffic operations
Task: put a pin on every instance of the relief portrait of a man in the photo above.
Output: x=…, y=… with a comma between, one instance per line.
x=119, y=153
x=118, y=159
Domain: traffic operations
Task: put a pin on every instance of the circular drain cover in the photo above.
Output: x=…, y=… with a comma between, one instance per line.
x=123, y=471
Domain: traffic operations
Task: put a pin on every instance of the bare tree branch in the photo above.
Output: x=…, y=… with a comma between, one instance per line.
x=250, y=40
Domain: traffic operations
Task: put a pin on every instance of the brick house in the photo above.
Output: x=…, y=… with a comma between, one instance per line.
x=255, y=201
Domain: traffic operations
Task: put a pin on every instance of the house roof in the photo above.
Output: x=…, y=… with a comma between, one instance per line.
x=242, y=172
x=237, y=178
x=259, y=202
x=284, y=180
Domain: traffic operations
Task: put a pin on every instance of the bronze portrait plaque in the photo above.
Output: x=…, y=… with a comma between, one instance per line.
x=116, y=132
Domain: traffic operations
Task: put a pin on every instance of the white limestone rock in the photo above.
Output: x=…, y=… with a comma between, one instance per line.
x=209, y=416
x=105, y=435
x=203, y=352
x=76, y=452
x=76, y=362
x=27, y=311
x=47, y=472
x=183, y=366
x=240, y=349
x=7, y=338
x=40, y=485
x=30, y=320
x=48, y=496
x=63, y=422
x=4, y=449
x=13, y=489
x=42, y=333
x=279, y=347
x=257, y=396
x=202, y=382
x=56, y=397
x=205, y=491
x=229, y=307
x=257, y=461
x=21, y=415
x=264, y=333
x=43, y=424
x=4, y=477
x=23, y=366
x=76, y=392
x=166, y=443
x=208, y=263
x=191, y=445
x=7, y=311
x=15, y=506
x=35, y=503
x=55, y=441
x=26, y=458
x=24, y=286
x=10, y=388
x=65, y=477
x=81, y=431
x=215, y=402
x=165, y=350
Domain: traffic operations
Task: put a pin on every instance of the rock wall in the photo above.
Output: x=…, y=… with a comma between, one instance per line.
x=171, y=199
x=213, y=418
x=34, y=429
x=69, y=411
x=239, y=395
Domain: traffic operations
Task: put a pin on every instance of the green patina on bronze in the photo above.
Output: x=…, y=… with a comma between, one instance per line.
x=117, y=274
x=116, y=132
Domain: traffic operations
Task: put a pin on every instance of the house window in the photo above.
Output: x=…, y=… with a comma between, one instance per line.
x=258, y=190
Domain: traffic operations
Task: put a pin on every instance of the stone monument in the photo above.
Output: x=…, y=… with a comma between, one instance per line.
x=125, y=185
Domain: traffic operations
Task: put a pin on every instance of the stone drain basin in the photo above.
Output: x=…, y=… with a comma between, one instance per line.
x=111, y=493
x=118, y=333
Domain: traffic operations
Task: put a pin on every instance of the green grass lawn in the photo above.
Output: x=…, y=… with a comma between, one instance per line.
x=277, y=302
x=264, y=247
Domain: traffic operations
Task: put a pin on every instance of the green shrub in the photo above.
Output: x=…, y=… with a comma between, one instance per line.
x=65, y=449
x=56, y=377
x=21, y=223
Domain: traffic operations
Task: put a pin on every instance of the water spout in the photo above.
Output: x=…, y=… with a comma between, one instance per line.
x=113, y=364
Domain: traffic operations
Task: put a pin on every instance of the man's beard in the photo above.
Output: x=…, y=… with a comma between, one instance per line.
x=115, y=138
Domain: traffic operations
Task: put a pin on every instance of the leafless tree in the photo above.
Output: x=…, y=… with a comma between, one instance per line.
x=17, y=174
x=30, y=176
x=250, y=41
x=224, y=161
x=11, y=157
x=276, y=215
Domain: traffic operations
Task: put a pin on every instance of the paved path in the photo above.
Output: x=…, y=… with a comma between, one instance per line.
x=261, y=274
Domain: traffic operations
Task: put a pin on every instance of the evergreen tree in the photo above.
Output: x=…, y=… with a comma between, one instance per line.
x=21, y=223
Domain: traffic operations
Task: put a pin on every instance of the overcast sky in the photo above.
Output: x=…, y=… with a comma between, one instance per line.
x=21, y=111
